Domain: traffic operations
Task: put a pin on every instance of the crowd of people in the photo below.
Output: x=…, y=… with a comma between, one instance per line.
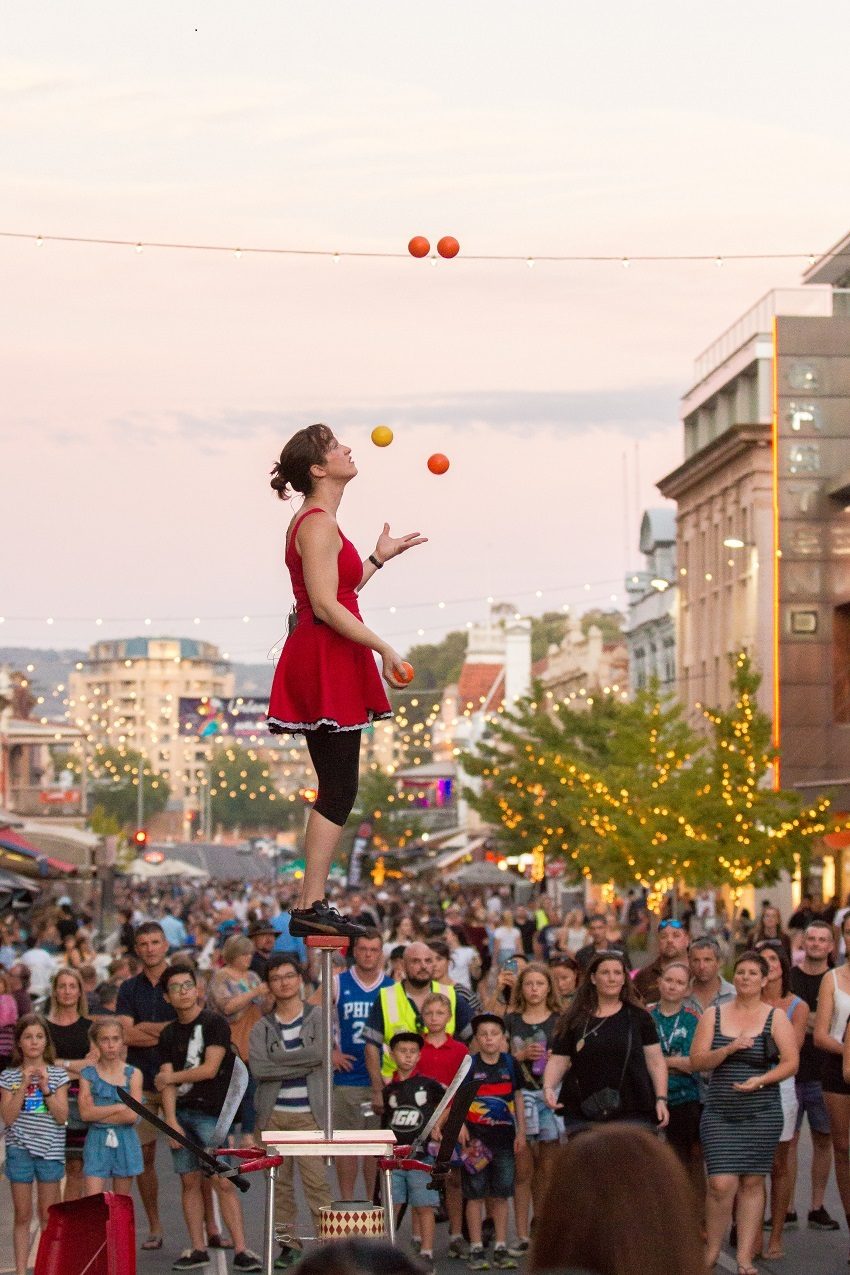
x=566, y=1037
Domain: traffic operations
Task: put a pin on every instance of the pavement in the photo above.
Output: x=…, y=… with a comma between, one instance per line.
x=806, y=1252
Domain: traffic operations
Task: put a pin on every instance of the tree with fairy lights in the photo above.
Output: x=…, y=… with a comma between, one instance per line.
x=611, y=786
x=115, y=774
x=752, y=830
x=243, y=793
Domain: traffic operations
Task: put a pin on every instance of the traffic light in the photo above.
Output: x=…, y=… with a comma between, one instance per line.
x=140, y=839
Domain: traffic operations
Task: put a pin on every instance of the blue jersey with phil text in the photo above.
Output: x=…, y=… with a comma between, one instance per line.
x=353, y=1006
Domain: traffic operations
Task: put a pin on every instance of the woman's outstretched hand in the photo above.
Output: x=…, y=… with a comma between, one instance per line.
x=391, y=546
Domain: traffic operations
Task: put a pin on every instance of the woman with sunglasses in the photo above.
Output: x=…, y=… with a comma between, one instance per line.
x=742, y=1117
x=778, y=994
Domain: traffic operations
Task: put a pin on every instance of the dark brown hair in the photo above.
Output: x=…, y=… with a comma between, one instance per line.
x=620, y=1182
x=782, y=957
x=291, y=473
x=586, y=1001
x=32, y=1020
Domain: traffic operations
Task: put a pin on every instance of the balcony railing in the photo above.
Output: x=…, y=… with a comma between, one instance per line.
x=813, y=300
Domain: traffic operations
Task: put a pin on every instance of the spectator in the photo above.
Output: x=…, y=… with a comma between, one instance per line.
x=621, y=1183
x=401, y=933
x=19, y=985
x=742, y=1119
x=676, y=1026
x=89, y=977
x=610, y=1045
x=195, y=1071
x=399, y=1008
x=409, y=1101
x=8, y=1017
x=527, y=928
x=769, y=926
x=173, y=928
x=597, y=929
x=286, y=1059
x=708, y=987
x=530, y=1029
x=262, y=934
x=831, y=1021
x=439, y=1060
x=144, y=1012
x=672, y=946
x=507, y=940
x=41, y=961
x=112, y=1156
x=464, y=962
x=496, y=1124
x=503, y=988
x=239, y=995
x=8, y=954
x=107, y=996
x=34, y=1108
x=442, y=973
x=355, y=991
x=777, y=993
x=805, y=981
x=565, y=973
x=285, y=941
x=358, y=1257
x=68, y=1022
x=573, y=934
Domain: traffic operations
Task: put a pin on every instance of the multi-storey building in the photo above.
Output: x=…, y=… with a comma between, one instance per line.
x=650, y=630
x=763, y=521
x=127, y=694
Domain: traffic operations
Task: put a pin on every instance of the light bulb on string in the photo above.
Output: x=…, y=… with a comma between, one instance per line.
x=335, y=258
x=625, y=263
x=139, y=247
x=237, y=252
x=530, y=263
x=39, y=242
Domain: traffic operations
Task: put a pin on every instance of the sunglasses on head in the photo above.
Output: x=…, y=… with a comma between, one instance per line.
x=671, y=925
x=561, y=960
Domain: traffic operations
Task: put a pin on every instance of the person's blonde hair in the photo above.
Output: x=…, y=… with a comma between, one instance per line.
x=236, y=945
x=518, y=1002
x=100, y=1025
x=68, y=971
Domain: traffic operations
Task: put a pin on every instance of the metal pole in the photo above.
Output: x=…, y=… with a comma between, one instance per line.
x=268, y=1234
x=387, y=1197
x=140, y=795
x=327, y=1023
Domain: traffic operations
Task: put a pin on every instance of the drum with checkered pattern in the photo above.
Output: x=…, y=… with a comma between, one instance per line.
x=343, y=1218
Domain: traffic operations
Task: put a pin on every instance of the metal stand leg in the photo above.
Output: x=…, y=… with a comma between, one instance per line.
x=327, y=1027
x=387, y=1197
x=268, y=1234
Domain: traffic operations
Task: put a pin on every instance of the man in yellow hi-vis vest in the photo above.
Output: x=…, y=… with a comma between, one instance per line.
x=399, y=1008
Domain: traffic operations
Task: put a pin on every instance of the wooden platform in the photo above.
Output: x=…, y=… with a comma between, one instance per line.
x=346, y=1142
x=327, y=942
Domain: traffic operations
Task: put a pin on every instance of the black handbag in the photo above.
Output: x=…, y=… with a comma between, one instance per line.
x=607, y=1103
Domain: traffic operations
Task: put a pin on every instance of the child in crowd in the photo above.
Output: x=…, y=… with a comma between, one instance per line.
x=409, y=1100
x=197, y=1062
x=496, y=1123
x=441, y=1054
x=34, y=1108
x=112, y=1149
x=440, y=1058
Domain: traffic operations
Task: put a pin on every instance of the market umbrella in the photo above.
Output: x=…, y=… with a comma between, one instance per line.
x=485, y=873
x=167, y=868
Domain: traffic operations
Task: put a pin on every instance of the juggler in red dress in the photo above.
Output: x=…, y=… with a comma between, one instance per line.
x=323, y=678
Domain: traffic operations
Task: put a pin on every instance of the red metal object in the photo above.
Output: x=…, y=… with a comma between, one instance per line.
x=92, y=1236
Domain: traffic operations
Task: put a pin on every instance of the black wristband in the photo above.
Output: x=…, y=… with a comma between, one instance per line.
x=375, y=561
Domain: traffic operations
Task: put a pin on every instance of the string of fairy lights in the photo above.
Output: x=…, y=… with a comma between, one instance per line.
x=413, y=251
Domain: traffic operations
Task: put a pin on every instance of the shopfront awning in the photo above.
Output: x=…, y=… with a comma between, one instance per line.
x=20, y=855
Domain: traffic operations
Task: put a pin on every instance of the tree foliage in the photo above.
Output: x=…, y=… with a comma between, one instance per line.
x=114, y=784
x=627, y=790
x=243, y=793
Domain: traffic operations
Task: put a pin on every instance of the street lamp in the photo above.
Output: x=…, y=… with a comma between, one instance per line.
x=734, y=542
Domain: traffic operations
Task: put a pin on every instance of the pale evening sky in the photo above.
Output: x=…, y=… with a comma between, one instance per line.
x=145, y=396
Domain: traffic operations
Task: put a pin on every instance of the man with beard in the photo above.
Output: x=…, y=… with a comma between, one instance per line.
x=398, y=1008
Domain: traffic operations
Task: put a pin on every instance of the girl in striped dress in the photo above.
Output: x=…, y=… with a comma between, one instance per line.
x=34, y=1108
x=742, y=1119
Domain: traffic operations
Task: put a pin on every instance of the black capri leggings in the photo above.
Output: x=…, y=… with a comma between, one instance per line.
x=335, y=755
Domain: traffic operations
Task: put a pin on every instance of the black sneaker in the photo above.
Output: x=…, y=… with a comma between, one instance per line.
x=791, y=1223
x=819, y=1220
x=191, y=1259
x=488, y=1231
x=247, y=1261
x=323, y=920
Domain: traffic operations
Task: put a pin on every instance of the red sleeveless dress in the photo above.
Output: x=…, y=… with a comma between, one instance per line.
x=323, y=678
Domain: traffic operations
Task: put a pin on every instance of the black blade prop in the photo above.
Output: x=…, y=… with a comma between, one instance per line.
x=458, y=1112
x=208, y=1162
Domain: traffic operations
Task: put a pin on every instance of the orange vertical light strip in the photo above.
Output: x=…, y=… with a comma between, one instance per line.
x=777, y=707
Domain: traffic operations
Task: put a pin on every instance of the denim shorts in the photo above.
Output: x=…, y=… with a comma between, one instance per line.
x=410, y=1186
x=541, y=1123
x=810, y=1103
x=495, y=1181
x=199, y=1126
x=23, y=1166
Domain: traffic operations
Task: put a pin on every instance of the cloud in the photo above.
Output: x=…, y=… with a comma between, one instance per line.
x=631, y=411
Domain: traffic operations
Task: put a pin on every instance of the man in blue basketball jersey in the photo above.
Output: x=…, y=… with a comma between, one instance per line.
x=355, y=991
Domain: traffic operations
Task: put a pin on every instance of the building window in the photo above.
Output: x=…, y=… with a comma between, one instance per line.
x=841, y=663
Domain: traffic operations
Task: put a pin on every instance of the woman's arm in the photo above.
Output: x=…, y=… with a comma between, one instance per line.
x=823, y=1018
x=799, y=1020
x=228, y=1004
x=657, y=1068
x=789, y=1057
x=556, y=1069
